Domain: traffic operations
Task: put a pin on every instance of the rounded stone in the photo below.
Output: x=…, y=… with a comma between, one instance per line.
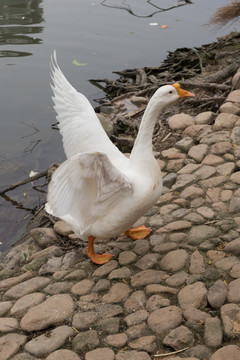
x=227, y=352
x=174, y=260
x=162, y=320
x=44, y=345
x=55, y=309
x=26, y=302
x=180, y=121
x=193, y=296
x=63, y=354
x=100, y=354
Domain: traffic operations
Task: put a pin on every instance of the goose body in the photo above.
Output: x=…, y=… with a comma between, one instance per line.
x=98, y=191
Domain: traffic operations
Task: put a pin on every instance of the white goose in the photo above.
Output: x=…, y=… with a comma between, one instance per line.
x=98, y=191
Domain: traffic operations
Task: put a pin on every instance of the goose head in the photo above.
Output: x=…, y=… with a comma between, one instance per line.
x=168, y=95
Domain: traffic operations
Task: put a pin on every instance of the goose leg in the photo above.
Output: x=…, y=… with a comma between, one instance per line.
x=96, y=258
x=137, y=233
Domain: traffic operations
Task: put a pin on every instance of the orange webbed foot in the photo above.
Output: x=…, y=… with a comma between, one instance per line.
x=138, y=233
x=96, y=258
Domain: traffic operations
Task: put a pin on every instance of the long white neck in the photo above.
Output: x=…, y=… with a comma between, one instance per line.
x=143, y=143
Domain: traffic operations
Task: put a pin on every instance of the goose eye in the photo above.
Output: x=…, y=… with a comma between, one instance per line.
x=170, y=92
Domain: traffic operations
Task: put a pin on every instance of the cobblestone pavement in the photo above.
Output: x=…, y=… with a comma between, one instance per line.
x=176, y=292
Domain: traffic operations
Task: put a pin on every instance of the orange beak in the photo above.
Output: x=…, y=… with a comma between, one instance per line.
x=182, y=93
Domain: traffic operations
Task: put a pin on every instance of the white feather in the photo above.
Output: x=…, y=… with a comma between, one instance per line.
x=98, y=191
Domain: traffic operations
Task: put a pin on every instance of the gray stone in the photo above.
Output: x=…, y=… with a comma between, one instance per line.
x=213, y=332
x=216, y=137
x=205, y=117
x=132, y=355
x=180, y=121
x=85, y=341
x=184, y=144
x=225, y=121
x=55, y=309
x=198, y=152
x=193, y=296
x=227, y=352
x=169, y=179
x=230, y=315
x=162, y=320
x=217, y=294
x=200, y=233
x=148, y=261
x=234, y=291
x=44, y=345
x=174, y=260
x=179, y=338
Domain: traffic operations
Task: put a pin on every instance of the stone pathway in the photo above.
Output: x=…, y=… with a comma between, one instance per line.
x=176, y=292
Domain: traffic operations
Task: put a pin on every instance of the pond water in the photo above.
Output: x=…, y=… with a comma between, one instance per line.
x=92, y=39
